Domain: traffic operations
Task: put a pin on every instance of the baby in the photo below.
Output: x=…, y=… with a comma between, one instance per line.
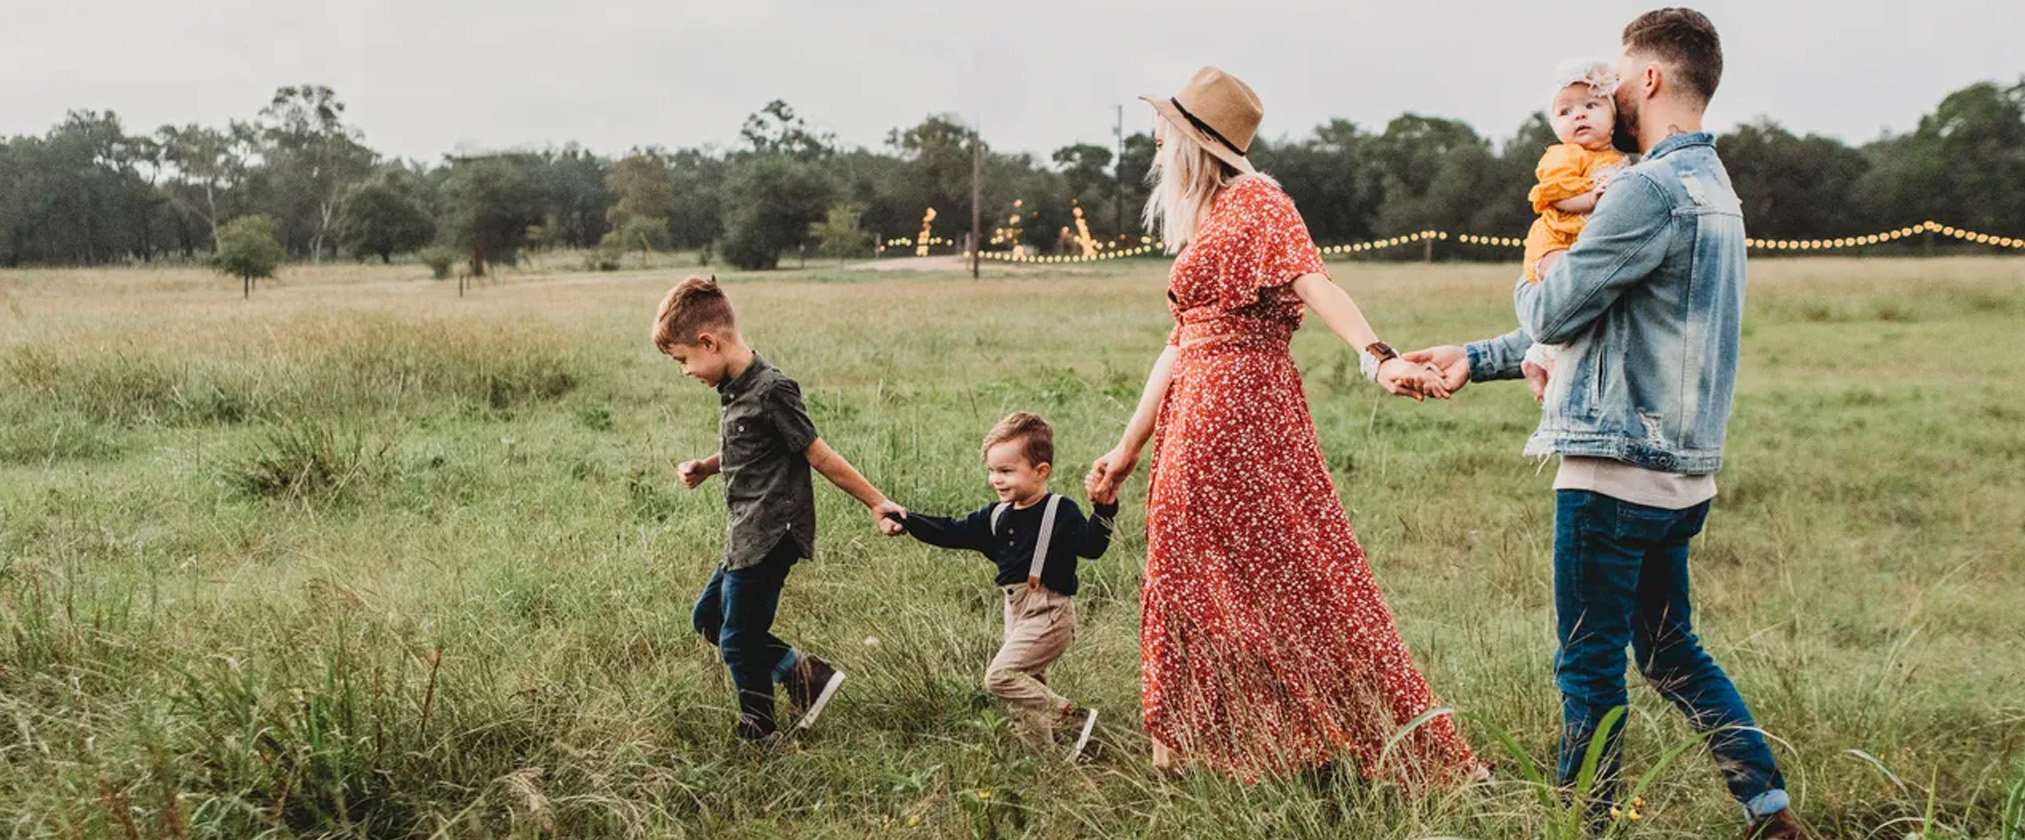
x=1573, y=173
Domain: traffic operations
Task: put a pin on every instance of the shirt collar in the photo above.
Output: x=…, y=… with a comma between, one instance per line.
x=1680, y=141
x=735, y=387
x=1039, y=503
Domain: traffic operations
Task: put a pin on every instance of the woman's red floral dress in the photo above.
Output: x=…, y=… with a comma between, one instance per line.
x=1266, y=645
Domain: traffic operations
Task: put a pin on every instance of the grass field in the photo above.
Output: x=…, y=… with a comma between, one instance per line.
x=358, y=558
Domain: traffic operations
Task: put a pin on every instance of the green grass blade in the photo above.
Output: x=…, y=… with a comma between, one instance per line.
x=1585, y=779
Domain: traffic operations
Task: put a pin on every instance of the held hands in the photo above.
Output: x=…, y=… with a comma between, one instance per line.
x=1106, y=495
x=1109, y=472
x=1407, y=378
x=1450, y=362
x=1453, y=366
x=889, y=518
x=694, y=472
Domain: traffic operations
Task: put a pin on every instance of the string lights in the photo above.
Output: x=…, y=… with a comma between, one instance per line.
x=1391, y=242
x=1498, y=241
x=1928, y=226
x=1022, y=257
x=1096, y=252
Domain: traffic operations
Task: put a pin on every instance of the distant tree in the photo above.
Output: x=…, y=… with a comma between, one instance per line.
x=640, y=233
x=381, y=217
x=1503, y=208
x=76, y=194
x=1043, y=196
x=206, y=164
x=248, y=250
x=1133, y=167
x=778, y=198
x=1085, y=165
x=776, y=130
x=86, y=192
x=639, y=219
x=311, y=156
x=1434, y=173
x=1330, y=174
x=575, y=199
x=1086, y=170
x=491, y=203
x=939, y=152
x=695, y=210
x=1794, y=187
x=1974, y=139
x=839, y=235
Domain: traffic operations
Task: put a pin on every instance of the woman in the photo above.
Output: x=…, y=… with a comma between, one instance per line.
x=1265, y=644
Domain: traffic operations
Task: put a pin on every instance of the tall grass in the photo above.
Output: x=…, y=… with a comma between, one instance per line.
x=357, y=558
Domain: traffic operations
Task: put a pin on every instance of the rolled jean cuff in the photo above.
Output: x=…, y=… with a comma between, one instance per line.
x=787, y=664
x=1766, y=804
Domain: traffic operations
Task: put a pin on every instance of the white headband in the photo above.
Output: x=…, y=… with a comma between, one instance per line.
x=1599, y=75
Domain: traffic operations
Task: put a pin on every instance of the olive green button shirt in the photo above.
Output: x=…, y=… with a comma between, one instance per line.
x=765, y=433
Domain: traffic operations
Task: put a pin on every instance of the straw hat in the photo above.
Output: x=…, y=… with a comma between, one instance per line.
x=1218, y=112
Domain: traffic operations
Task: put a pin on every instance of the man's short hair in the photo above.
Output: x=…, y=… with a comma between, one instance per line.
x=1035, y=436
x=694, y=306
x=1685, y=41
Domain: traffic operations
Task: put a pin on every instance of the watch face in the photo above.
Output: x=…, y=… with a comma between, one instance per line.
x=1382, y=350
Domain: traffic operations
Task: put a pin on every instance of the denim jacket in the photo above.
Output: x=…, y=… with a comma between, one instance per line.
x=1649, y=303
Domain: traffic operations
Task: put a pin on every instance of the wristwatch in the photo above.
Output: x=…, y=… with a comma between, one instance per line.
x=1374, y=355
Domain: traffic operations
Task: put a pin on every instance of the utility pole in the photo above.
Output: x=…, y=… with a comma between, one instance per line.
x=1118, y=174
x=976, y=200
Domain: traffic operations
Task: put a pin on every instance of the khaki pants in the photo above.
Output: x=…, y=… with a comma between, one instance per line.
x=1039, y=625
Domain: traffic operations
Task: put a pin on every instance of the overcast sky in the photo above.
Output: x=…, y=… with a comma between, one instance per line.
x=422, y=77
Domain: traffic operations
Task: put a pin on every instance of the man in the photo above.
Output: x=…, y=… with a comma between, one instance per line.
x=1649, y=302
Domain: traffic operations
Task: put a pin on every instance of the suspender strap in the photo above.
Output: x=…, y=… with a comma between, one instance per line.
x=1041, y=542
x=998, y=513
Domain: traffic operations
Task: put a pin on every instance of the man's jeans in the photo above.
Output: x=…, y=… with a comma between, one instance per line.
x=736, y=614
x=1621, y=577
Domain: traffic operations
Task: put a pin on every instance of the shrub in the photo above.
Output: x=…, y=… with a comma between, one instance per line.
x=839, y=235
x=248, y=250
x=779, y=198
x=439, y=260
x=306, y=460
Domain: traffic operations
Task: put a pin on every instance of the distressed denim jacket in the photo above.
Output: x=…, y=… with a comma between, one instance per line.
x=1650, y=304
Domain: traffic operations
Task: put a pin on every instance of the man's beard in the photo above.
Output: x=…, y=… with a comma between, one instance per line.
x=1624, y=136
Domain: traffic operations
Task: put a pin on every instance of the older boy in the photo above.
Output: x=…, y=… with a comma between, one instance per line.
x=768, y=444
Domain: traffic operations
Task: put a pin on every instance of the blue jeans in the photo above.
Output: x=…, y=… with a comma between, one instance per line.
x=736, y=613
x=1621, y=577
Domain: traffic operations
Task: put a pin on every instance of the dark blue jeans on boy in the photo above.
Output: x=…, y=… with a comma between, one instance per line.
x=1621, y=578
x=736, y=613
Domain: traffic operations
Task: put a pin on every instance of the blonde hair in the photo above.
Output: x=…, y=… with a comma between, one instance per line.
x=696, y=305
x=1184, y=181
x=1036, y=437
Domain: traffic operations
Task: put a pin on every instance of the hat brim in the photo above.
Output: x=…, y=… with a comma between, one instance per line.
x=1164, y=106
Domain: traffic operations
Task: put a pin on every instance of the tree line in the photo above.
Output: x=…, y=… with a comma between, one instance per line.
x=298, y=173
